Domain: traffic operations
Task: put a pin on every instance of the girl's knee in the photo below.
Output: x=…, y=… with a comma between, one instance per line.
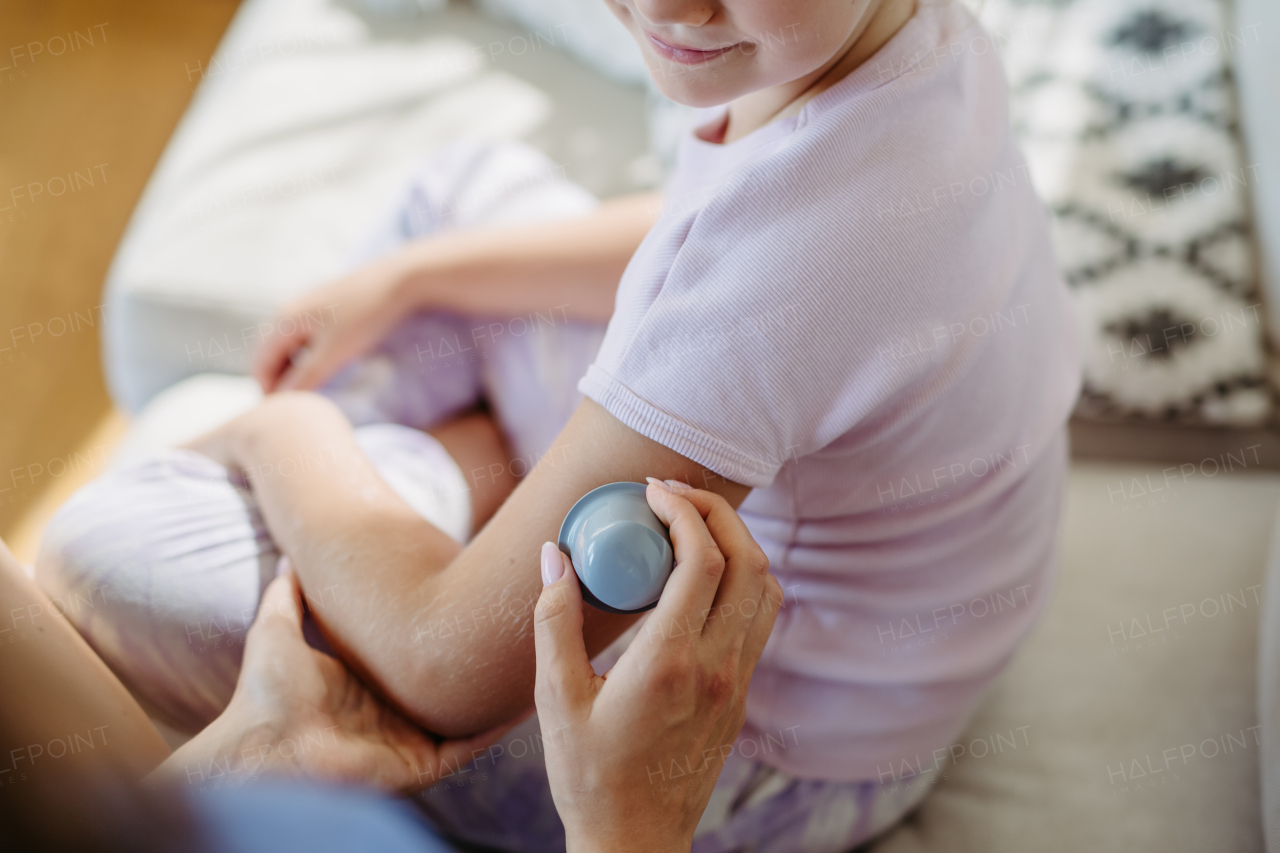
x=160, y=567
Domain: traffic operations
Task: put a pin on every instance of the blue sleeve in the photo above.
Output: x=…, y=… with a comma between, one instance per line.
x=278, y=817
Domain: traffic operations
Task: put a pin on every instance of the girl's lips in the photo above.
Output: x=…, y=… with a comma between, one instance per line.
x=686, y=55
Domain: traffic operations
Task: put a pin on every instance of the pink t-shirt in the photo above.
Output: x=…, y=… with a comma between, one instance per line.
x=857, y=312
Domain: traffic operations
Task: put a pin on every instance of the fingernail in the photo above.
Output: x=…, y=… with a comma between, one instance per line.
x=654, y=481
x=552, y=563
x=678, y=487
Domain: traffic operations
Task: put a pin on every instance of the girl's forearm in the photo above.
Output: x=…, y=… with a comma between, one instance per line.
x=569, y=267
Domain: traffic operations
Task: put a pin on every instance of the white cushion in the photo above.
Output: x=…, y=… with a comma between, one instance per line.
x=1083, y=720
x=307, y=120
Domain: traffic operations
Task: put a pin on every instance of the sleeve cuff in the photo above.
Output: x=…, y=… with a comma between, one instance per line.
x=644, y=418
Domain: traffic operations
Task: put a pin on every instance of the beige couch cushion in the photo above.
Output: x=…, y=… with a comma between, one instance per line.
x=1269, y=699
x=1146, y=655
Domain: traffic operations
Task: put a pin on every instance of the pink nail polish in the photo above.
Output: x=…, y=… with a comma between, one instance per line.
x=552, y=563
x=654, y=481
x=678, y=487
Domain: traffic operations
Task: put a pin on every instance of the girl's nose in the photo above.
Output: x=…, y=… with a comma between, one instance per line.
x=692, y=13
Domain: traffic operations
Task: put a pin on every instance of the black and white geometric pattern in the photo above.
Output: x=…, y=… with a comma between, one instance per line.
x=1126, y=112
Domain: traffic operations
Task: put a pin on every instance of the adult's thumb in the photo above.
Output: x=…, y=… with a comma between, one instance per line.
x=281, y=604
x=564, y=673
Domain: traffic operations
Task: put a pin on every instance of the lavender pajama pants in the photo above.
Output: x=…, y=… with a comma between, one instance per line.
x=160, y=563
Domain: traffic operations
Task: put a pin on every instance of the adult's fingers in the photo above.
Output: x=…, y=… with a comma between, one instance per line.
x=563, y=674
x=760, y=626
x=746, y=566
x=682, y=610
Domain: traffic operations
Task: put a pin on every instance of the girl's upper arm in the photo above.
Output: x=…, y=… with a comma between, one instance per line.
x=472, y=638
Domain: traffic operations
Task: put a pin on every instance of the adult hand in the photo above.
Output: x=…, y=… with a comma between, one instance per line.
x=299, y=711
x=313, y=336
x=677, y=695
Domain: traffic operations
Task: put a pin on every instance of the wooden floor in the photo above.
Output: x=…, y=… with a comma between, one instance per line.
x=90, y=91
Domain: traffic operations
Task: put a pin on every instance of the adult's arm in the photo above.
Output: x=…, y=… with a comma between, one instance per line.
x=299, y=712
x=68, y=728
x=445, y=632
x=56, y=687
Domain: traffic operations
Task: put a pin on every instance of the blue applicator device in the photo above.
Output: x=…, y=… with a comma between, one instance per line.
x=621, y=552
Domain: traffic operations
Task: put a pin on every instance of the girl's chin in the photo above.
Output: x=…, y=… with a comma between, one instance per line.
x=691, y=93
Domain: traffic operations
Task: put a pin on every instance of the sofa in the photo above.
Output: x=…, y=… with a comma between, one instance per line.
x=1131, y=718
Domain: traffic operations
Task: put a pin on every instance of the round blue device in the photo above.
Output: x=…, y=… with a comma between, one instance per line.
x=621, y=552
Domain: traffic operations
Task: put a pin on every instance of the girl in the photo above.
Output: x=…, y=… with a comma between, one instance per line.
x=847, y=321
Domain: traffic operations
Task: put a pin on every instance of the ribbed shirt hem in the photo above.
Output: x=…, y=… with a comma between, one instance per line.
x=643, y=417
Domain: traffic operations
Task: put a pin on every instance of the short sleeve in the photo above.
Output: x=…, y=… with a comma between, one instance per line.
x=743, y=336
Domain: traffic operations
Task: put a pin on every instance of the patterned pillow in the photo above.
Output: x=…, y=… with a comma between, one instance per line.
x=1126, y=112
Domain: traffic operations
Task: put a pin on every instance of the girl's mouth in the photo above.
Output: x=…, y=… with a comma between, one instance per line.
x=686, y=55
